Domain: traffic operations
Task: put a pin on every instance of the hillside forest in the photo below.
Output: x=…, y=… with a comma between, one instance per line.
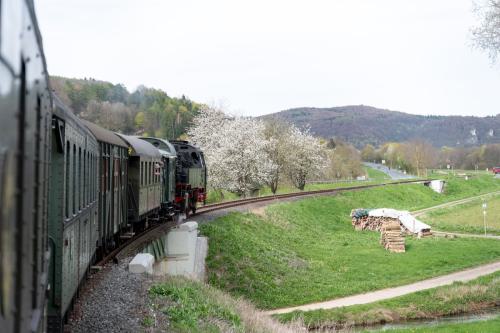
x=145, y=111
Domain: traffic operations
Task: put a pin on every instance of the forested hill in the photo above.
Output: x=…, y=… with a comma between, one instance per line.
x=360, y=125
x=145, y=111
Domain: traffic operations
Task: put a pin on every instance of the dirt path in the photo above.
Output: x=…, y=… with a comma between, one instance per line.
x=462, y=276
x=452, y=203
x=456, y=203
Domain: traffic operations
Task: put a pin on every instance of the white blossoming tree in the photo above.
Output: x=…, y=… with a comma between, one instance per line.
x=306, y=157
x=235, y=150
x=278, y=148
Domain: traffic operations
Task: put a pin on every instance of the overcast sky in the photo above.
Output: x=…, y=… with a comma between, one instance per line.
x=259, y=57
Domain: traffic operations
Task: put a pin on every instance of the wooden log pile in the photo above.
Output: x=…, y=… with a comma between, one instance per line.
x=392, y=238
x=365, y=222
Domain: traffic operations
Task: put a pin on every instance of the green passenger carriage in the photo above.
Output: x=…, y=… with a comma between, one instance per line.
x=144, y=180
x=73, y=219
x=113, y=160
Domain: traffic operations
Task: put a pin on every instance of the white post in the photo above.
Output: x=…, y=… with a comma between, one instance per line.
x=484, y=216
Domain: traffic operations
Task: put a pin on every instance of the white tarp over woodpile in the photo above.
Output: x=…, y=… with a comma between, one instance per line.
x=407, y=220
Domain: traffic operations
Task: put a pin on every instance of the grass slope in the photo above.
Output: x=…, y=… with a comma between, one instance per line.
x=307, y=251
x=467, y=217
x=454, y=299
x=182, y=305
x=376, y=174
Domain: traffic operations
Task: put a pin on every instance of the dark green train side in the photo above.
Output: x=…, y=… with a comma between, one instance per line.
x=104, y=187
x=25, y=125
x=70, y=191
x=73, y=210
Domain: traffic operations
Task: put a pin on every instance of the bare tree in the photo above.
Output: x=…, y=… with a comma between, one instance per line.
x=486, y=35
x=422, y=155
x=368, y=153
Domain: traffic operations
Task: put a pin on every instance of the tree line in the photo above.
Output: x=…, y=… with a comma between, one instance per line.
x=418, y=156
x=145, y=111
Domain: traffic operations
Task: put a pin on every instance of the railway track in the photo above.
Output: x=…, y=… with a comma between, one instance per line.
x=242, y=202
x=139, y=240
x=136, y=242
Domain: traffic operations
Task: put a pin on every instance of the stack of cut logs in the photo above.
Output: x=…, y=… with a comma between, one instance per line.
x=361, y=221
x=391, y=237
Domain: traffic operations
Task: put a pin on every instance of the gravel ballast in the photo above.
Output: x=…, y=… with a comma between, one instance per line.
x=113, y=300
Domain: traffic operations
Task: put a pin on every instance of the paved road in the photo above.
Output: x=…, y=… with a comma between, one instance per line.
x=394, y=174
x=462, y=276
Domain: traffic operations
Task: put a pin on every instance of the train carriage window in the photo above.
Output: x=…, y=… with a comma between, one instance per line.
x=84, y=178
x=149, y=173
x=103, y=173
x=96, y=172
x=80, y=187
x=115, y=175
x=74, y=179
x=140, y=170
x=87, y=183
x=89, y=176
x=94, y=178
x=68, y=178
x=110, y=170
x=157, y=173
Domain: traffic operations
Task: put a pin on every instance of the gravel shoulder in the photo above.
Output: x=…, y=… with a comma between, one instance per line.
x=113, y=300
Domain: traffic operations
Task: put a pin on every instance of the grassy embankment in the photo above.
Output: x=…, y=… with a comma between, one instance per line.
x=467, y=218
x=375, y=176
x=307, y=251
x=458, y=298
x=182, y=305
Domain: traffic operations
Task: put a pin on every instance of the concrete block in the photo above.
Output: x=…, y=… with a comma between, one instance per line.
x=200, y=256
x=188, y=226
x=437, y=185
x=142, y=263
x=181, y=243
